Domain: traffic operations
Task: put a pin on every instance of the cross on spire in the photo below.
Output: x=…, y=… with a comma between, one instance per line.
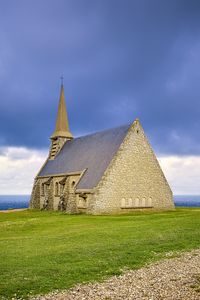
x=61, y=78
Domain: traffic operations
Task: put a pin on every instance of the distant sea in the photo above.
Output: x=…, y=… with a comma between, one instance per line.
x=22, y=201
x=14, y=201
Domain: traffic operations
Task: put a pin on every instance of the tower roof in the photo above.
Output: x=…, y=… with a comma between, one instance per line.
x=62, y=123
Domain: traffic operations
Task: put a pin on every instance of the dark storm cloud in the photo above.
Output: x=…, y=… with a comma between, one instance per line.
x=120, y=59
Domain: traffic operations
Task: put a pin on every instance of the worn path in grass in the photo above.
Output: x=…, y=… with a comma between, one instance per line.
x=174, y=278
x=43, y=251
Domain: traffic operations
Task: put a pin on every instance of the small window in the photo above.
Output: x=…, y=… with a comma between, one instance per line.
x=137, y=131
x=73, y=183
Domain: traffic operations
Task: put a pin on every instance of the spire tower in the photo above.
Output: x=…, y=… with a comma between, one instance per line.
x=62, y=123
x=62, y=132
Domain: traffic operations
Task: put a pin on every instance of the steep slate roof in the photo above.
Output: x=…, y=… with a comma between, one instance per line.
x=92, y=152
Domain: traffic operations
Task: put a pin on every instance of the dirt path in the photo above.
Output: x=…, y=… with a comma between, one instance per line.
x=170, y=279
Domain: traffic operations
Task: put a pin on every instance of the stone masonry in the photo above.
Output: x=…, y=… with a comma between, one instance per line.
x=133, y=180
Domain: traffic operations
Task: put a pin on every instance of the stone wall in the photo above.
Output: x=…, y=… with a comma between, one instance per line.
x=71, y=197
x=50, y=197
x=133, y=179
x=43, y=193
x=84, y=203
x=35, y=195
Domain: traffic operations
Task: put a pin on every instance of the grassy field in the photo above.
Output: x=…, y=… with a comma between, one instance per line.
x=43, y=251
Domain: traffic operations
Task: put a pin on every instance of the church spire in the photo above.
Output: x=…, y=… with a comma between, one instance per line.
x=62, y=124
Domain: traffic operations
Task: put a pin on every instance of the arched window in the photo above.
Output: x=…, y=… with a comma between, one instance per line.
x=143, y=202
x=137, y=202
x=127, y=202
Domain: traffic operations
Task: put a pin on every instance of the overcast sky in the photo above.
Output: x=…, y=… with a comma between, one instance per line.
x=120, y=60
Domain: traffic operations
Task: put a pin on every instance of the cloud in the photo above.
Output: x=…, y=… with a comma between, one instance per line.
x=18, y=167
x=120, y=60
x=182, y=173
x=140, y=59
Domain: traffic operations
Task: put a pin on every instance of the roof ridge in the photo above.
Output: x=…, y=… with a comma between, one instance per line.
x=102, y=131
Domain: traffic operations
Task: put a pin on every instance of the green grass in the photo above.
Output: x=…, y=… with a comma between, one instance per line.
x=43, y=251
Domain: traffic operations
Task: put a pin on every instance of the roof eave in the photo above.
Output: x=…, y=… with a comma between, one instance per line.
x=86, y=191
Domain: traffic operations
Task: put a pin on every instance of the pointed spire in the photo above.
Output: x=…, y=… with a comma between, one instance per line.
x=62, y=124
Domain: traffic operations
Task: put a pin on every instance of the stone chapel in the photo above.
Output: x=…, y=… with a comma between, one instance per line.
x=107, y=172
